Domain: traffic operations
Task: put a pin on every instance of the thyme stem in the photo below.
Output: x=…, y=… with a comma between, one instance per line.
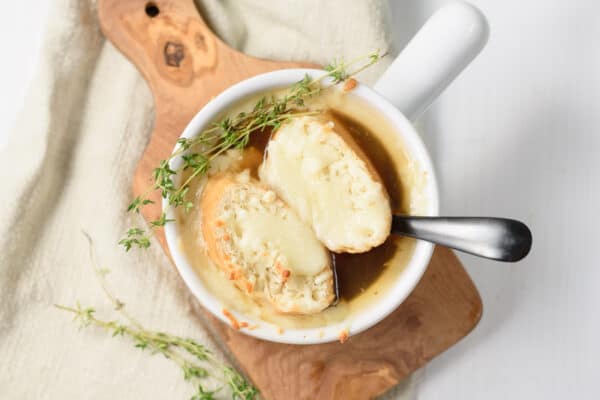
x=234, y=133
x=191, y=356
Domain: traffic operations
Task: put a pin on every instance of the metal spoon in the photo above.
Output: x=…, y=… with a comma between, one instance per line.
x=498, y=239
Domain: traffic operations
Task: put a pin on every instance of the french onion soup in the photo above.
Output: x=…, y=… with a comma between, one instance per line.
x=269, y=221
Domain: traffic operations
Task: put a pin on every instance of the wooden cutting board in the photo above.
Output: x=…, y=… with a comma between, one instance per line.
x=185, y=65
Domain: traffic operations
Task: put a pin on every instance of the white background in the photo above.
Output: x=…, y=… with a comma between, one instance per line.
x=518, y=134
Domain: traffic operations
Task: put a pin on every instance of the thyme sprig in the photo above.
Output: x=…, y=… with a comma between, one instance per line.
x=233, y=132
x=195, y=360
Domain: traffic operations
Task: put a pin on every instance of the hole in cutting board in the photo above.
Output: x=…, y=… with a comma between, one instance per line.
x=152, y=10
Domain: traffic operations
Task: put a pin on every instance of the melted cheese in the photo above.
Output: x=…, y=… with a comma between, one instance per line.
x=315, y=171
x=282, y=236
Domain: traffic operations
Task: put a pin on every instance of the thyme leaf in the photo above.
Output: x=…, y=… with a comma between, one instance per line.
x=194, y=359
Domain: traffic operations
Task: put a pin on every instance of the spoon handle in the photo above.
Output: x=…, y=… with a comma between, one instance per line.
x=495, y=238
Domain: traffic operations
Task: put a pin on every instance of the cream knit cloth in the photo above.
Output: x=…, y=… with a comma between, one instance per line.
x=68, y=166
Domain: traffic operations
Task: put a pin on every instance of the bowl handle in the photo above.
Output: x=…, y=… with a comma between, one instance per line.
x=443, y=47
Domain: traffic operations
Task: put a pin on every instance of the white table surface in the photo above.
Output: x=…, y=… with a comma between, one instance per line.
x=518, y=134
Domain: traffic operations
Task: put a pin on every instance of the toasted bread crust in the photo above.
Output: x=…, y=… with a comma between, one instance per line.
x=209, y=202
x=217, y=237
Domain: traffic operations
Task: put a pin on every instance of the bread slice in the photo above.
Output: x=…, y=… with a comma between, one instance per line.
x=263, y=246
x=316, y=166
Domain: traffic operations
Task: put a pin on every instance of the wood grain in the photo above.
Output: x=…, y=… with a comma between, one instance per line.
x=185, y=65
